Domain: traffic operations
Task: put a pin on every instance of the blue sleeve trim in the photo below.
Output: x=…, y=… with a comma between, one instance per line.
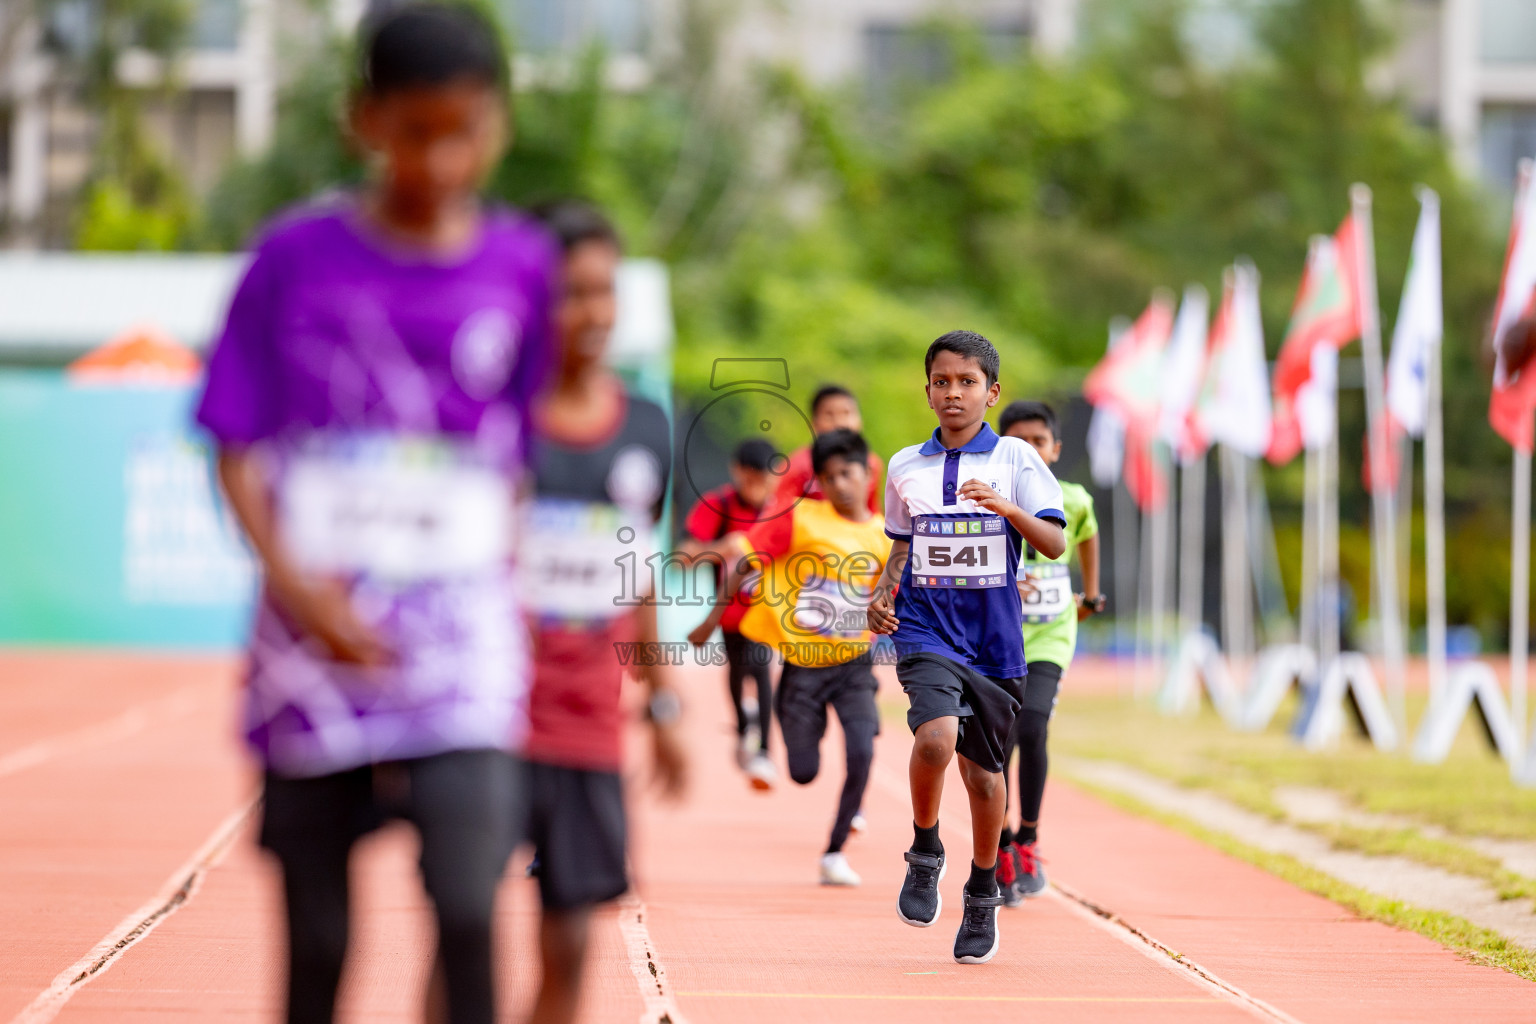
x=1056, y=515
x=898, y=536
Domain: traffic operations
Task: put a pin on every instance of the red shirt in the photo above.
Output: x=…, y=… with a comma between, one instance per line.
x=720, y=512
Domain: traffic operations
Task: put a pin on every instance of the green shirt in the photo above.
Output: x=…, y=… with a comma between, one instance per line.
x=1050, y=614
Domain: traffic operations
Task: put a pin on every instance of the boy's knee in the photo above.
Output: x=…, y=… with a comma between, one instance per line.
x=934, y=743
x=804, y=770
x=934, y=750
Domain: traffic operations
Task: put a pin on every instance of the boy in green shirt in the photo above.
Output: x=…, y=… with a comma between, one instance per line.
x=1051, y=615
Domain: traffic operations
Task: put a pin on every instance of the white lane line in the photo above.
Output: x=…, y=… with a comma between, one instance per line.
x=650, y=975
x=177, y=891
x=128, y=723
x=1109, y=921
x=1105, y=919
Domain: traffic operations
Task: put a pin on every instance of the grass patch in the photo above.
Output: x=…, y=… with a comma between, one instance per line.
x=1470, y=794
x=1478, y=944
x=1439, y=853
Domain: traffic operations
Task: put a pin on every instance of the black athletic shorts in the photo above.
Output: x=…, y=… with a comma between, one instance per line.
x=804, y=694
x=299, y=814
x=574, y=817
x=938, y=687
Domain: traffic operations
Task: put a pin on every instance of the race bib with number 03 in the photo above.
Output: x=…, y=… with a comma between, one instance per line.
x=1052, y=594
x=571, y=559
x=960, y=551
x=395, y=510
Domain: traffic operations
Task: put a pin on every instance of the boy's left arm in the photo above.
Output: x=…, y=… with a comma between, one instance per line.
x=664, y=711
x=1044, y=535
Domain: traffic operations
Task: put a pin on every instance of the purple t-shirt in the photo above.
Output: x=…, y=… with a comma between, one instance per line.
x=388, y=396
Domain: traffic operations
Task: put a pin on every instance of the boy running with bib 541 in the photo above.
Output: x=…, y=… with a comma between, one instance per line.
x=958, y=507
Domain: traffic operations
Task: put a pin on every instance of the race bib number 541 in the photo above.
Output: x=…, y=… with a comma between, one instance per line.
x=960, y=551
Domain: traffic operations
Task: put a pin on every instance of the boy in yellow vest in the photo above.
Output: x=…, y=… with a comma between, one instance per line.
x=820, y=561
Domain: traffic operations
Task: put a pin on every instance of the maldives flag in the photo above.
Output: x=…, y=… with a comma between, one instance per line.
x=1128, y=382
x=1233, y=405
x=1510, y=409
x=1326, y=314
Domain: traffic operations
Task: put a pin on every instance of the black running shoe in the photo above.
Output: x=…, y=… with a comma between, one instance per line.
x=920, y=902
x=976, y=941
x=1030, y=881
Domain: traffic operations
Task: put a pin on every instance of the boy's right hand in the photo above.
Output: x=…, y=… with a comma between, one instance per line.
x=323, y=608
x=882, y=611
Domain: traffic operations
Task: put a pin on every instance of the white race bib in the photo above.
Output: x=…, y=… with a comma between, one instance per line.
x=395, y=511
x=969, y=551
x=1052, y=594
x=571, y=559
x=825, y=608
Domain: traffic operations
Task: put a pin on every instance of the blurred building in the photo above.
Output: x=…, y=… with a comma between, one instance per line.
x=221, y=100
x=1470, y=68
x=1466, y=66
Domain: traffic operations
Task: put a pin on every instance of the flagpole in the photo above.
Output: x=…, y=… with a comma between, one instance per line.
x=1308, y=616
x=1192, y=544
x=1162, y=544
x=1434, y=507
x=1520, y=595
x=1384, y=544
x=1331, y=606
x=1234, y=547
x=1126, y=544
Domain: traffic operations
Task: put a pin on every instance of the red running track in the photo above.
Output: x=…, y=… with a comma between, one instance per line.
x=121, y=799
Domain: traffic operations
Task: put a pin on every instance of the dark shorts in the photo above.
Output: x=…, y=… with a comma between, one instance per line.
x=1041, y=686
x=301, y=815
x=939, y=687
x=574, y=817
x=805, y=693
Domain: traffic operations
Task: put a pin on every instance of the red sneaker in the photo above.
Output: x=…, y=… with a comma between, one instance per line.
x=1030, y=880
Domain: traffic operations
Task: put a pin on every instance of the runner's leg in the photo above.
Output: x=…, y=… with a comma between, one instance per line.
x=860, y=719
x=462, y=803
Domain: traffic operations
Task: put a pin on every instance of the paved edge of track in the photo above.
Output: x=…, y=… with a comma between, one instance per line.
x=1131, y=935
x=958, y=824
x=181, y=887
x=645, y=963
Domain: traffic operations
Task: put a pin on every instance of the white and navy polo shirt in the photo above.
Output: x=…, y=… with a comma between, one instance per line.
x=957, y=596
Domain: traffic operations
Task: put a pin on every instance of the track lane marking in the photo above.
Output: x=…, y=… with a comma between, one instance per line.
x=177, y=891
x=127, y=723
x=1112, y=923
x=650, y=975
x=955, y=999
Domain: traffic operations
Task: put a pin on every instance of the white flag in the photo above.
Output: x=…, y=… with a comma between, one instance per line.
x=1234, y=405
x=1182, y=372
x=1317, y=401
x=1106, y=430
x=1416, y=336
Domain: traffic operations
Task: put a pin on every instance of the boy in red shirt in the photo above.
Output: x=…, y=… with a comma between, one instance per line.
x=731, y=508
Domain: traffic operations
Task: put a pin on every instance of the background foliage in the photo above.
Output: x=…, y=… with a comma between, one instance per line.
x=1026, y=198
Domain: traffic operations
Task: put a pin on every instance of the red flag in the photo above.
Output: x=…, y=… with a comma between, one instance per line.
x=1145, y=479
x=1513, y=403
x=1127, y=380
x=1326, y=313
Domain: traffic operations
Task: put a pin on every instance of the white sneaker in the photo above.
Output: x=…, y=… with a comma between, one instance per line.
x=749, y=746
x=761, y=772
x=858, y=826
x=835, y=870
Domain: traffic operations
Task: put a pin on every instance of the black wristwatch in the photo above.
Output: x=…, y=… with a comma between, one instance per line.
x=1094, y=604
